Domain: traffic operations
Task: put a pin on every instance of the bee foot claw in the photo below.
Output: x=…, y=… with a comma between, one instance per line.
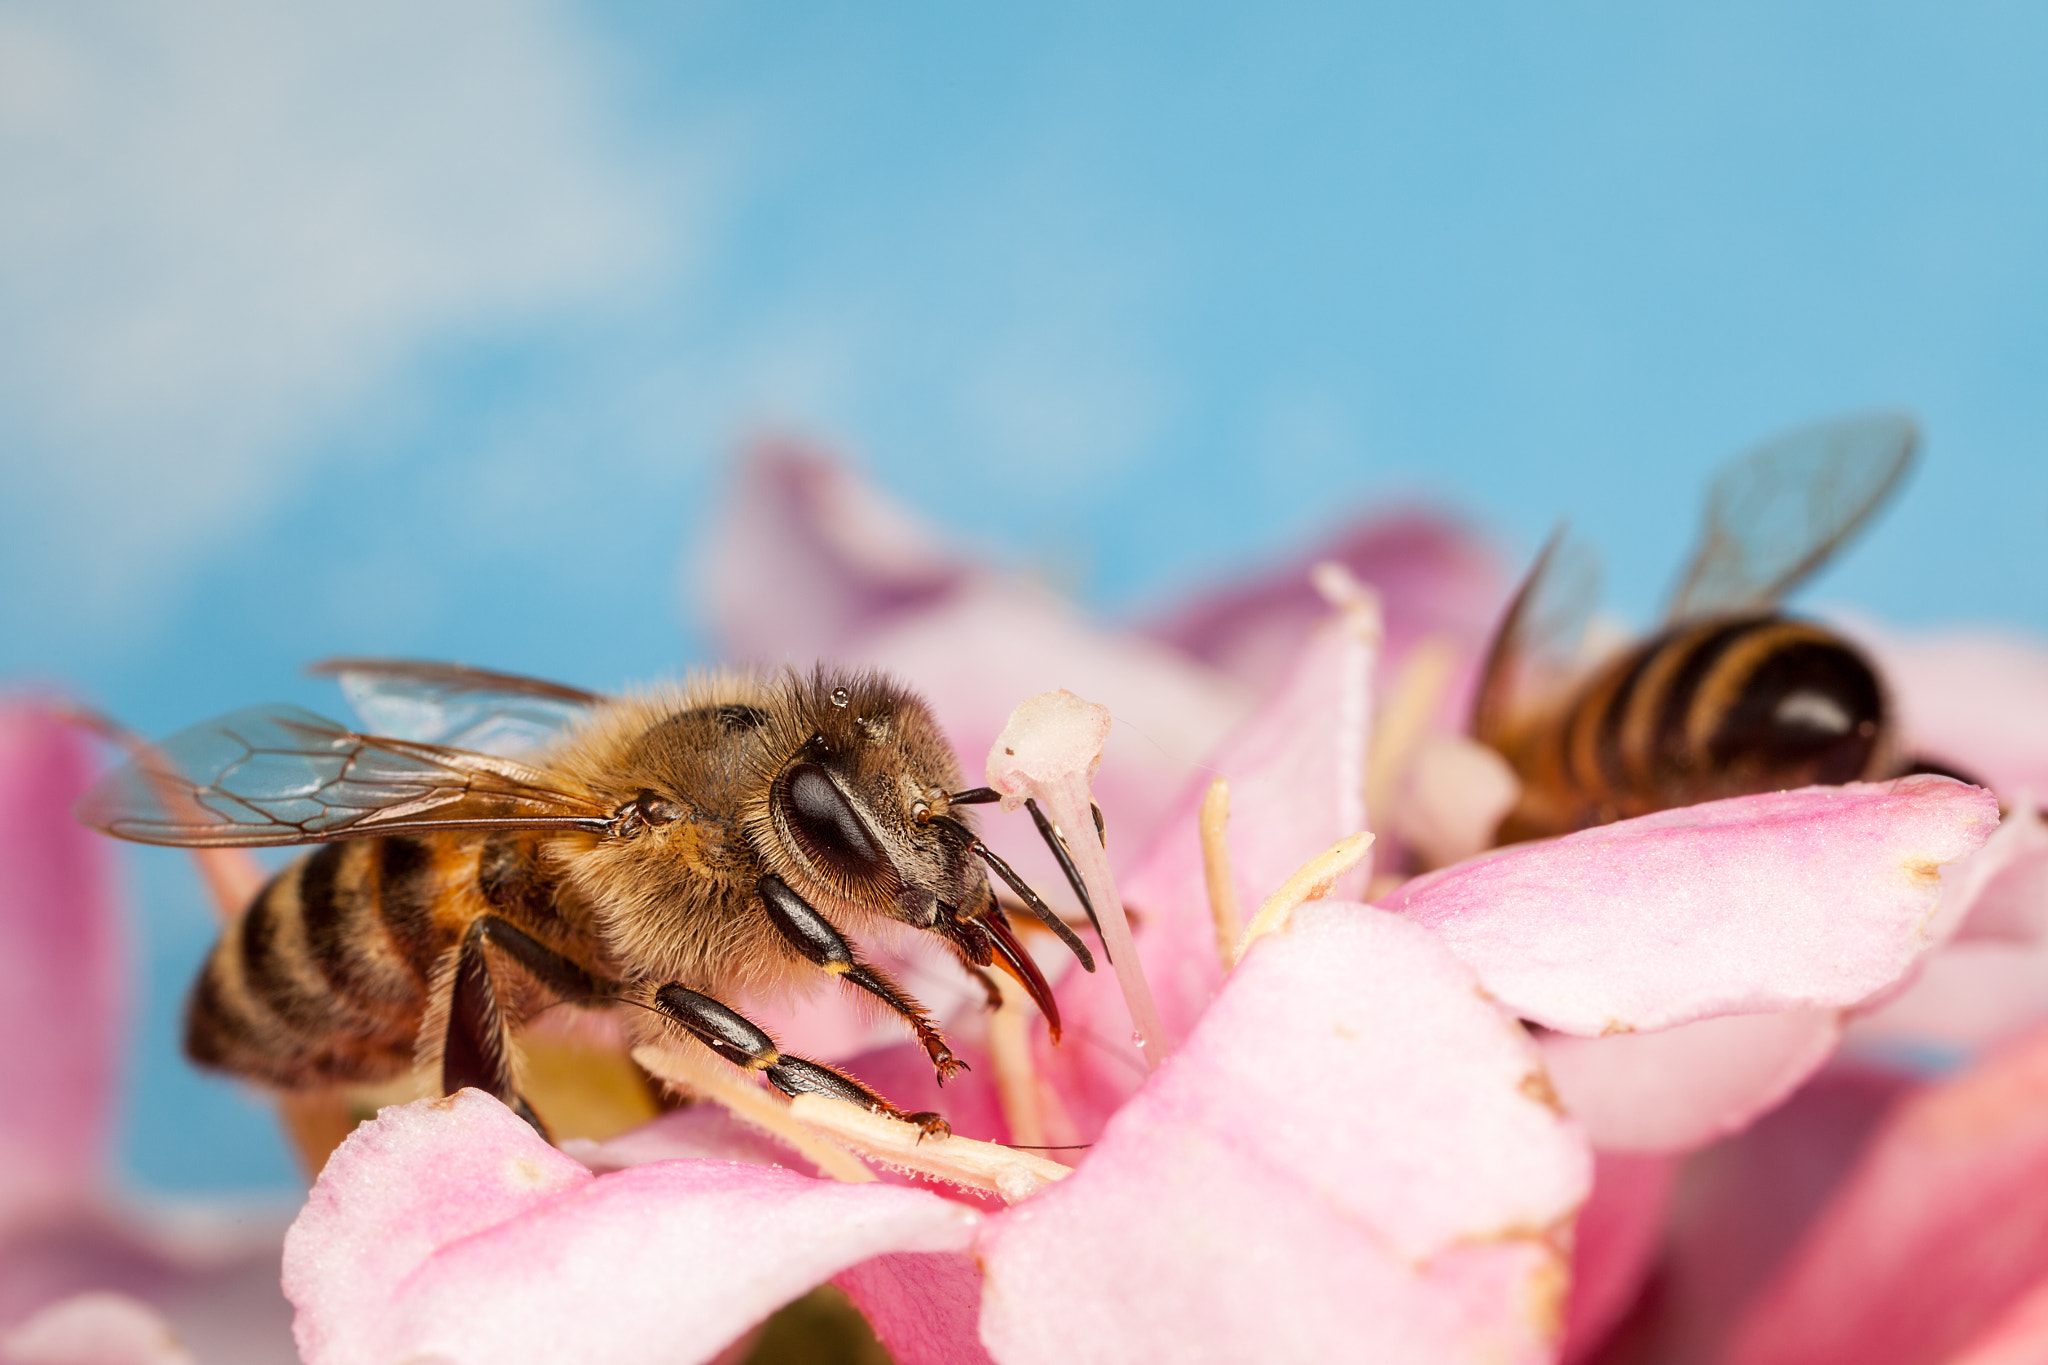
x=929, y=1124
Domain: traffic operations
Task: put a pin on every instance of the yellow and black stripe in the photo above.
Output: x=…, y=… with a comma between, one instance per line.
x=1707, y=709
x=324, y=978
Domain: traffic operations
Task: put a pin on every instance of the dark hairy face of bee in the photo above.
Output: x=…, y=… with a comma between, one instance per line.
x=852, y=813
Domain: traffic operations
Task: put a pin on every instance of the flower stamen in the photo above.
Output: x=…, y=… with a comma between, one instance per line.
x=752, y=1105
x=1311, y=882
x=1223, y=912
x=967, y=1162
x=1009, y=1055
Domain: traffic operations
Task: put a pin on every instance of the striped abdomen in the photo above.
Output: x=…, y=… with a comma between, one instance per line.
x=1709, y=709
x=325, y=977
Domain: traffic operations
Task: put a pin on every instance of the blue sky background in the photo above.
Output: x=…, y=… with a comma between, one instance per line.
x=432, y=328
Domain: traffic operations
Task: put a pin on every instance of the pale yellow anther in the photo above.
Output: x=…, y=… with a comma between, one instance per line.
x=752, y=1105
x=966, y=1162
x=1009, y=1055
x=1311, y=882
x=1223, y=911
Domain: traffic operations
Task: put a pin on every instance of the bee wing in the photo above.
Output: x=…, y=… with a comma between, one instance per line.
x=1537, y=645
x=464, y=708
x=1777, y=513
x=275, y=774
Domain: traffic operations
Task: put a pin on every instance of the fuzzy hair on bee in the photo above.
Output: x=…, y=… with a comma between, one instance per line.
x=657, y=854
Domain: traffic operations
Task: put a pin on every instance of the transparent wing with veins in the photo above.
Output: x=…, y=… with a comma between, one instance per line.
x=460, y=707
x=1777, y=514
x=1537, y=649
x=276, y=775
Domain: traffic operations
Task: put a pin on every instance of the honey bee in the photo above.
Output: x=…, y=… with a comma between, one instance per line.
x=668, y=851
x=1729, y=697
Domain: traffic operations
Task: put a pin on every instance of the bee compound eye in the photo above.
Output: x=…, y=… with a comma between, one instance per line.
x=825, y=823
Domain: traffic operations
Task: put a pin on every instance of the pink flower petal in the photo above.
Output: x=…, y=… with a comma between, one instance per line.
x=1822, y=896
x=61, y=969
x=94, y=1329
x=1678, y=1089
x=1296, y=775
x=808, y=555
x=2004, y=885
x=1616, y=1240
x=1741, y=1208
x=398, y=1190
x=1352, y=1158
x=1435, y=579
x=1968, y=996
x=1970, y=698
x=926, y=1308
x=2018, y=1337
x=448, y=1228
x=1941, y=1228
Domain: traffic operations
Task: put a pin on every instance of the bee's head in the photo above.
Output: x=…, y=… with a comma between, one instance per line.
x=852, y=815
x=866, y=815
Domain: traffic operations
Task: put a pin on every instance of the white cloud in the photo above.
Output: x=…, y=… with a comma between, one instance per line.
x=226, y=221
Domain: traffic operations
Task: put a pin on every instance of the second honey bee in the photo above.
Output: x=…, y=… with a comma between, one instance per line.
x=1729, y=697
x=670, y=851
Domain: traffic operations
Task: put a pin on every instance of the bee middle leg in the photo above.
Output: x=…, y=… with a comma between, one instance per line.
x=811, y=934
x=478, y=1048
x=744, y=1043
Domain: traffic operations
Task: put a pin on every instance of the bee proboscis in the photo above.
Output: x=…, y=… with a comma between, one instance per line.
x=668, y=850
x=1729, y=696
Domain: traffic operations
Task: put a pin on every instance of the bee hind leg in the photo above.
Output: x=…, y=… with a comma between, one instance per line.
x=478, y=1048
x=814, y=936
x=739, y=1040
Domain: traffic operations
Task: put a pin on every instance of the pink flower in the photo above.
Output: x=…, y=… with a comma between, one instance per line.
x=1350, y=1149
x=87, y=1278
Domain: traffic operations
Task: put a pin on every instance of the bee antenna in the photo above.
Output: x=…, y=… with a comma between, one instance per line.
x=1058, y=846
x=974, y=796
x=1024, y=892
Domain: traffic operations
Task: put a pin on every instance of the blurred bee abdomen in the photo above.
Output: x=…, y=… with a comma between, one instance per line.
x=1708, y=709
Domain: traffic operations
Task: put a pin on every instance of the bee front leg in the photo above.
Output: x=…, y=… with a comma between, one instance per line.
x=811, y=934
x=478, y=1048
x=744, y=1043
